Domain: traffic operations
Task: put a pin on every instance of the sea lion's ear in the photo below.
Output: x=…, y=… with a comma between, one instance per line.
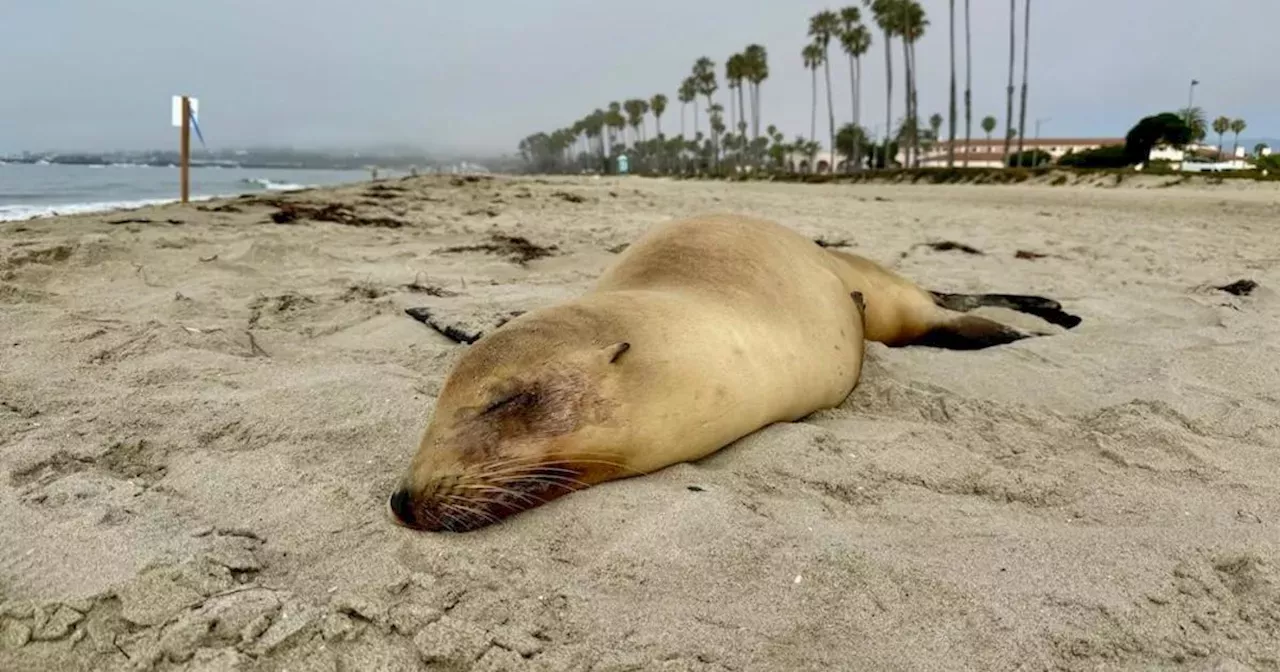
x=617, y=350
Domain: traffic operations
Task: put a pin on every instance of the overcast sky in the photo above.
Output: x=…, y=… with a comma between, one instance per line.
x=480, y=75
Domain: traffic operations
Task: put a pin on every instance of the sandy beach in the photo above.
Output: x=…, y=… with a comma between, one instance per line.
x=204, y=407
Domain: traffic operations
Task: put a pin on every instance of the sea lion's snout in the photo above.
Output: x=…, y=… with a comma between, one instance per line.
x=401, y=504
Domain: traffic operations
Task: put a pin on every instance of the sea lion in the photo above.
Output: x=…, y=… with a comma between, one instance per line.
x=701, y=332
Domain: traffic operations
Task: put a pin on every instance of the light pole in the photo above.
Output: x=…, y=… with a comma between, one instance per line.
x=1042, y=120
x=1191, y=97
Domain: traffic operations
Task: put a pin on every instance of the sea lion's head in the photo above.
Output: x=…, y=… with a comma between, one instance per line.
x=528, y=414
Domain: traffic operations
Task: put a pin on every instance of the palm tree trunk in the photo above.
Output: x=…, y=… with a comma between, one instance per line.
x=888, y=97
x=1026, y=52
x=831, y=115
x=1008, y=112
x=915, y=106
x=682, y=106
x=853, y=100
x=951, y=132
x=857, y=111
x=732, y=112
x=813, y=116
x=742, y=118
x=910, y=118
x=755, y=110
x=968, y=86
x=1235, y=146
x=1220, y=146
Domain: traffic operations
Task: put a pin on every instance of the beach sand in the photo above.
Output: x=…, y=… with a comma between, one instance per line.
x=202, y=412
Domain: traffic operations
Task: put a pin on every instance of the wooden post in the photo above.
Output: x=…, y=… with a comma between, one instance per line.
x=186, y=148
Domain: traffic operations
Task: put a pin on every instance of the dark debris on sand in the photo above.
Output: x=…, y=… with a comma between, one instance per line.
x=455, y=332
x=288, y=213
x=518, y=249
x=951, y=245
x=1242, y=287
x=823, y=242
x=566, y=196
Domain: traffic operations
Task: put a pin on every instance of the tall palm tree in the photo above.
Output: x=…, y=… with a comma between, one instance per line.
x=736, y=74
x=885, y=17
x=732, y=81
x=989, y=124
x=968, y=85
x=658, y=105
x=636, y=109
x=617, y=124
x=822, y=27
x=757, y=72
x=1237, y=127
x=704, y=77
x=1026, y=52
x=1220, y=126
x=812, y=55
x=1008, y=113
x=856, y=40
x=686, y=94
x=912, y=29
x=951, y=128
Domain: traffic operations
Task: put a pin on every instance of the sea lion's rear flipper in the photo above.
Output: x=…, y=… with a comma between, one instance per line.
x=969, y=332
x=1046, y=309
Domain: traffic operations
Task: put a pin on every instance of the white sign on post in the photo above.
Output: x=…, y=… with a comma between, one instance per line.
x=177, y=110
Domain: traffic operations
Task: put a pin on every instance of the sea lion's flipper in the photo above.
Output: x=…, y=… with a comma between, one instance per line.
x=1046, y=309
x=969, y=332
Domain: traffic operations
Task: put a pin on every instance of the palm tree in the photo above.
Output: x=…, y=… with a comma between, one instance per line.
x=1008, y=110
x=822, y=27
x=1026, y=52
x=636, y=109
x=617, y=124
x=757, y=72
x=736, y=73
x=912, y=29
x=704, y=77
x=1259, y=148
x=951, y=130
x=1220, y=126
x=856, y=40
x=658, y=105
x=935, y=127
x=1196, y=121
x=968, y=86
x=686, y=94
x=1237, y=127
x=812, y=55
x=885, y=17
x=989, y=124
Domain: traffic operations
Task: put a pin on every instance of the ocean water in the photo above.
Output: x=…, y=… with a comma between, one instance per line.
x=28, y=191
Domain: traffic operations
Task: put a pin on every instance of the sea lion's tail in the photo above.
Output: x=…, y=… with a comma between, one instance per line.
x=1046, y=309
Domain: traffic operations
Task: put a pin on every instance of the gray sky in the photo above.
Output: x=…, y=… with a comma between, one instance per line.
x=90, y=74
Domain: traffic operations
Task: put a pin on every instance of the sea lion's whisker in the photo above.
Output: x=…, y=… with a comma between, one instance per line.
x=471, y=510
x=517, y=480
x=503, y=491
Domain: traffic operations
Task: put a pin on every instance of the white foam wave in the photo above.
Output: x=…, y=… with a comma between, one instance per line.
x=10, y=213
x=269, y=185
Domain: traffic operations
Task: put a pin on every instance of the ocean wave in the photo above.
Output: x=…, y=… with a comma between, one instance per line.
x=264, y=183
x=10, y=213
